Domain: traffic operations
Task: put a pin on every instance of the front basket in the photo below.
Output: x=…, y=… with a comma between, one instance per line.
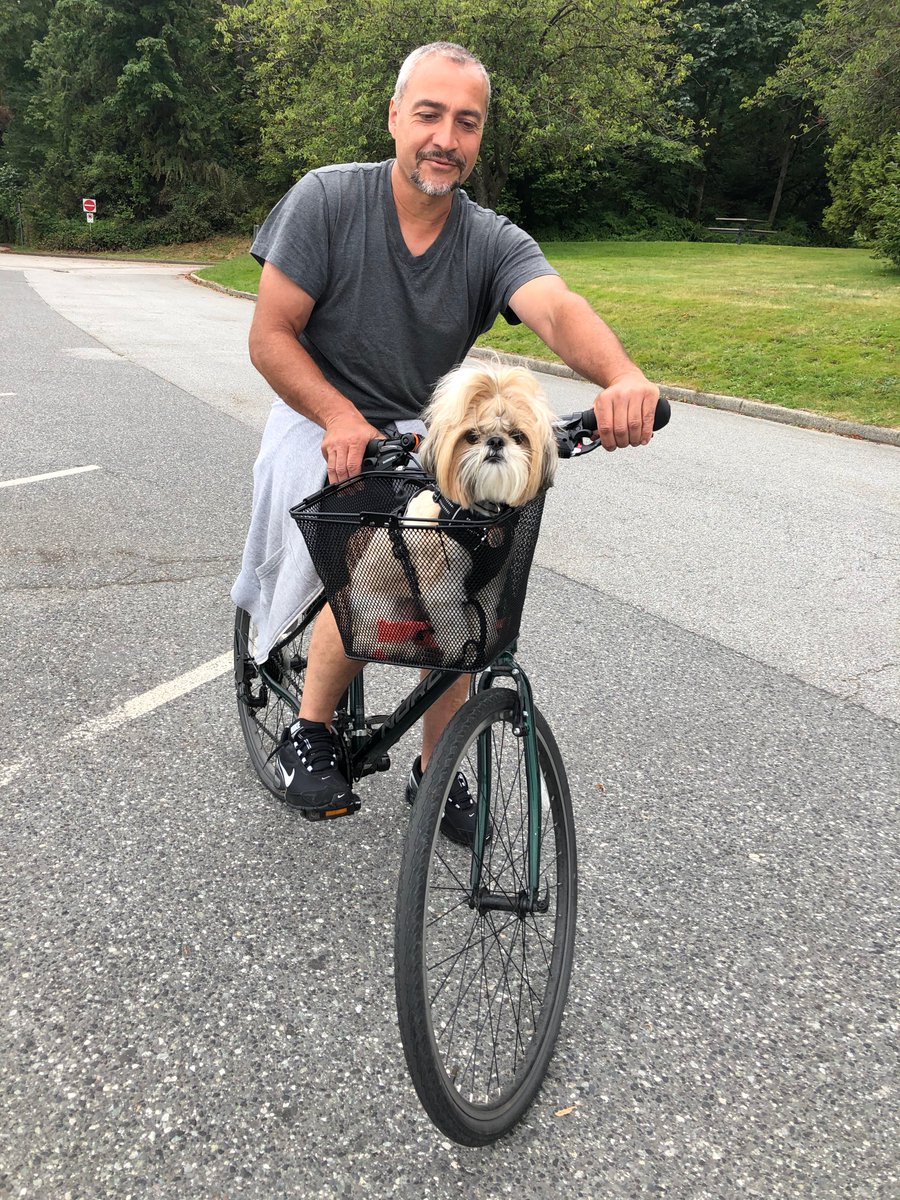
x=446, y=594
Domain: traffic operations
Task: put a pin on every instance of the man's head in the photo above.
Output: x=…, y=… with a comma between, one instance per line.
x=437, y=116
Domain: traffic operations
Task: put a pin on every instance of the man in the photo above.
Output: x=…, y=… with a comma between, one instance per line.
x=377, y=279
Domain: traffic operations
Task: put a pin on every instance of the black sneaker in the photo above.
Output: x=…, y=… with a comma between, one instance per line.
x=307, y=762
x=460, y=811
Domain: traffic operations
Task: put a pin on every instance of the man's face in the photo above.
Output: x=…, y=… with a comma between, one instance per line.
x=438, y=124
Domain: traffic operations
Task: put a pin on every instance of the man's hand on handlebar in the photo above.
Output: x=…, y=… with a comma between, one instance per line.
x=625, y=411
x=344, y=444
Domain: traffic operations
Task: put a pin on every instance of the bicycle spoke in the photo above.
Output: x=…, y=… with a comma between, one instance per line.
x=485, y=1000
x=481, y=985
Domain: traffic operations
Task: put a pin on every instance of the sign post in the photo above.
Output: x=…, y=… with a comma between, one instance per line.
x=89, y=204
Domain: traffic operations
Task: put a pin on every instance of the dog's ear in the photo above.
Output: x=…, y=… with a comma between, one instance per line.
x=544, y=450
x=548, y=457
x=429, y=451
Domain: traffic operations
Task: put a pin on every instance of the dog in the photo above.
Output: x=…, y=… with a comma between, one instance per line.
x=490, y=446
x=490, y=440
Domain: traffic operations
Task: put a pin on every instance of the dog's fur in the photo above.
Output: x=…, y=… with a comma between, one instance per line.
x=490, y=442
x=490, y=437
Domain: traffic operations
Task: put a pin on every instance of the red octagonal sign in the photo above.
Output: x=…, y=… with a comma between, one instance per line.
x=89, y=205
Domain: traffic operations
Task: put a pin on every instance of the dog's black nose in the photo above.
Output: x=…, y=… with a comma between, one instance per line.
x=495, y=443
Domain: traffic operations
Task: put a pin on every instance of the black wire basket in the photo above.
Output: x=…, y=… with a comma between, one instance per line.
x=447, y=593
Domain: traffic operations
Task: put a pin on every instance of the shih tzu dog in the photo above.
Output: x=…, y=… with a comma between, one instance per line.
x=490, y=446
x=490, y=440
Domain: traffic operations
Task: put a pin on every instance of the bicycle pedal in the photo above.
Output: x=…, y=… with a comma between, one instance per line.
x=383, y=763
x=329, y=814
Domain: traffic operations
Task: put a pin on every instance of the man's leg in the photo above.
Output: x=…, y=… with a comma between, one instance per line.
x=438, y=716
x=460, y=813
x=307, y=757
x=328, y=671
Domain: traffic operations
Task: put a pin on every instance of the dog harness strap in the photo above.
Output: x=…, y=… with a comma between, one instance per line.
x=473, y=535
x=403, y=556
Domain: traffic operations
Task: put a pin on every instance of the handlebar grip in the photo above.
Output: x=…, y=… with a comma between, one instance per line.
x=660, y=417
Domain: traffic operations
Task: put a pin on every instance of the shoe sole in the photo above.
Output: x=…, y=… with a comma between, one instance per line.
x=338, y=804
x=322, y=806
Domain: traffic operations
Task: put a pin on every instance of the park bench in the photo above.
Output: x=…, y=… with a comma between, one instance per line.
x=741, y=227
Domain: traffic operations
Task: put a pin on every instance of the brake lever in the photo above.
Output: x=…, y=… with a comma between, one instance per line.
x=573, y=439
x=390, y=454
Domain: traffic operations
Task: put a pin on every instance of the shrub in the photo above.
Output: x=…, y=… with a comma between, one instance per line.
x=886, y=212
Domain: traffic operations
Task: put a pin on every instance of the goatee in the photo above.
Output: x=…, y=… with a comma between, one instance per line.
x=433, y=189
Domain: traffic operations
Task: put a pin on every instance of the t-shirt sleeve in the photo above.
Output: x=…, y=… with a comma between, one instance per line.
x=519, y=260
x=295, y=236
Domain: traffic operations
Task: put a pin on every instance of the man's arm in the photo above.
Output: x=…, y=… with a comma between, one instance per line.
x=571, y=328
x=282, y=310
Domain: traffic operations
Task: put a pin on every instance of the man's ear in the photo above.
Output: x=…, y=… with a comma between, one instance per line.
x=392, y=116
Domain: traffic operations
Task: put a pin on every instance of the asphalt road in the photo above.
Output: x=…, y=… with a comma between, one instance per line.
x=198, y=998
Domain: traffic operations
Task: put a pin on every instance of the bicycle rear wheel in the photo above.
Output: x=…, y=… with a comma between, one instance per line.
x=268, y=697
x=481, y=992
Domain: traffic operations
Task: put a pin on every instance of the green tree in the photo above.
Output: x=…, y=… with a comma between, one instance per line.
x=22, y=23
x=130, y=103
x=846, y=67
x=570, y=78
x=732, y=49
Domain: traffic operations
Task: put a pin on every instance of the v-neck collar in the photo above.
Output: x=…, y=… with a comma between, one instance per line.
x=395, y=233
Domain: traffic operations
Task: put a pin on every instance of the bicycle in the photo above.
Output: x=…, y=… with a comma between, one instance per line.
x=484, y=934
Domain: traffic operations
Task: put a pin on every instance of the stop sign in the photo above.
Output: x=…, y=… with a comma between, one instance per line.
x=89, y=205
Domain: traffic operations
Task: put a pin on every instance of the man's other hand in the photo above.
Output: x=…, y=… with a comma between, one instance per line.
x=625, y=411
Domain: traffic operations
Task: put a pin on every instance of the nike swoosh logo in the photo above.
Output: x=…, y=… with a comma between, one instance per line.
x=288, y=779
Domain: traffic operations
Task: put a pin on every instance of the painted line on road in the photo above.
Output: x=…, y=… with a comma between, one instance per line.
x=132, y=709
x=49, y=475
x=10, y=771
x=139, y=706
x=9, y=393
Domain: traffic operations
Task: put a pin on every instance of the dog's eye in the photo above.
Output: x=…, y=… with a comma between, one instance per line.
x=517, y=436
x=472, y=437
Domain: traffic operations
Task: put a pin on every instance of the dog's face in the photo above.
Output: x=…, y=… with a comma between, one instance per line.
x=490, y=436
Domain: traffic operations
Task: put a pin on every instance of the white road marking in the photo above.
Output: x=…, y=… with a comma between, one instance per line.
x=132, y=709
x=9, y=772
x=139, y=706
x=49, y=475
x=9, y=393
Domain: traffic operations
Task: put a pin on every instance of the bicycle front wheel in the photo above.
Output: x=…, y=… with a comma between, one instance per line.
x=481, y=988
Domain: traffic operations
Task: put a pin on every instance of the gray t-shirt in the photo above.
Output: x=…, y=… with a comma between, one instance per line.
x=387, y=324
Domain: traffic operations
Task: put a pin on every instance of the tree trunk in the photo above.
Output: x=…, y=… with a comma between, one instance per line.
x=782, y=176
x=698, y=207
x=488, y=181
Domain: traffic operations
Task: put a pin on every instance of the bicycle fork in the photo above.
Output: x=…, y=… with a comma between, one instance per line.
x=529, y=898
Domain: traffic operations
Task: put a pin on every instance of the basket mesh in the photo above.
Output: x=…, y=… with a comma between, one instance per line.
x=445, y=594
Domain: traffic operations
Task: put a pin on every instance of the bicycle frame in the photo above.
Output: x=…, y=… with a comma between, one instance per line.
x=368, y=753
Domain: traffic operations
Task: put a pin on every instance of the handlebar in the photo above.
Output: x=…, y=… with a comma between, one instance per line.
x=572, y=432
x=572, y=439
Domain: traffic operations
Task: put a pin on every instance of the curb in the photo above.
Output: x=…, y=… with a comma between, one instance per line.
x=101, y=258
x=798, y=417
x=219, y=287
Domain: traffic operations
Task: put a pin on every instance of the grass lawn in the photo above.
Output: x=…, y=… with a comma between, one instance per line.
x=813, y=329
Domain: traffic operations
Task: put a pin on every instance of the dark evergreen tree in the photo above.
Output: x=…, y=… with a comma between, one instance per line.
x=132, y=103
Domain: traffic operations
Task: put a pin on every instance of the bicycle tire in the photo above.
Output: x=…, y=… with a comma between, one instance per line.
x=477, y=1058
x=264, y=713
